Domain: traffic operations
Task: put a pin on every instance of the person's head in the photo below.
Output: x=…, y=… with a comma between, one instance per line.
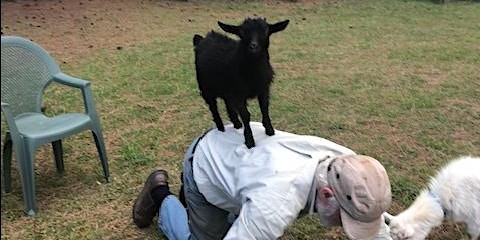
x=326, y=205
x=355, y=193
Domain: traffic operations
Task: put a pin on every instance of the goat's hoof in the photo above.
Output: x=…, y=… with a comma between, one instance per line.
x=250, y=144
x=270, y=132
x=221, y=129
x=237, y=125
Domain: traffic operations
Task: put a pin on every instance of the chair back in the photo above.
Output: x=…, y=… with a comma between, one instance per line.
x=27, y=69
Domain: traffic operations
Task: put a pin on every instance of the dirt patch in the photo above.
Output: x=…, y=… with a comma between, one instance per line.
x=70, y=30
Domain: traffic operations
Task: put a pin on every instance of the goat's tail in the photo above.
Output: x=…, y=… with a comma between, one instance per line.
x=196, y=39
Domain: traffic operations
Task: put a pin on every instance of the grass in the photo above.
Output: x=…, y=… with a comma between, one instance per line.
x=396, y=80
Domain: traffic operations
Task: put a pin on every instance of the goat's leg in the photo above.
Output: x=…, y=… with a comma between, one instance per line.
x=263, y=101
x=212, y=105
x=247, y=131
x=232, y=114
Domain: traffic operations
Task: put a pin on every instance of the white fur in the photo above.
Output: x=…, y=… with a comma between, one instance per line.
x=455, y=191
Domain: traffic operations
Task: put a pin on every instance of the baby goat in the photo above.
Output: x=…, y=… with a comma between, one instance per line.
x=237, y=70
x=454, y=194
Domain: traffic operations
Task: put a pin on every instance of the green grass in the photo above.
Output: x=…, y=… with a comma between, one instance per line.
x=396, y=80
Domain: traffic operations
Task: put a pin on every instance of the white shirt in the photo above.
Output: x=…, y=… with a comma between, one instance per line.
x=266, y=186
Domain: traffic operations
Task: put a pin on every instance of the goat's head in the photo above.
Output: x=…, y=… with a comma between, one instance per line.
x=254, y=33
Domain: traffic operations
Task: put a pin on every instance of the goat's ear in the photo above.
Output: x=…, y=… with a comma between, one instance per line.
x=277, y=27
x=229, y=28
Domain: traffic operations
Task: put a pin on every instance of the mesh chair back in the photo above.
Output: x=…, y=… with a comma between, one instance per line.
x=26, y=70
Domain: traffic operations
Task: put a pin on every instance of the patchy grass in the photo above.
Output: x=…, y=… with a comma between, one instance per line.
x=396, y=80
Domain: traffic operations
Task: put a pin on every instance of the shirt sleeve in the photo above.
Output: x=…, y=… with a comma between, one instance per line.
x=263, y=218
x=383, y=233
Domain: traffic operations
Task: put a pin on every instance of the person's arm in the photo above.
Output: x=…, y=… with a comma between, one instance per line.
x=264, y=218
x=383, y=233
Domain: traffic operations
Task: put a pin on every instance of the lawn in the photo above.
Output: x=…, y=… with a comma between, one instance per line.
x=396, y=80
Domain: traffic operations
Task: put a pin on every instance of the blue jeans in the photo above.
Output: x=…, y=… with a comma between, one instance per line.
x=172, y=216
x=206, y=220
x=173, y=219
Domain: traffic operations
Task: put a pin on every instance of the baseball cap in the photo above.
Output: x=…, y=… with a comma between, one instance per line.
x=362, y=188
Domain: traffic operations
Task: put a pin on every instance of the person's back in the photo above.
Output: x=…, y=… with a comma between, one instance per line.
x=232, y=192
x=267, y=185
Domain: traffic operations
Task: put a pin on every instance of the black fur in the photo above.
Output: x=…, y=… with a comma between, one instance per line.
x=237, y=70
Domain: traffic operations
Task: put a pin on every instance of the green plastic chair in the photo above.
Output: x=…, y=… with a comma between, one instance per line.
x=27, y=70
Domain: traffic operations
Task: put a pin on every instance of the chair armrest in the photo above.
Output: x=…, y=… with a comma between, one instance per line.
x=9, y=118
x=88, y=101
x=65, y=79
x=6, y=110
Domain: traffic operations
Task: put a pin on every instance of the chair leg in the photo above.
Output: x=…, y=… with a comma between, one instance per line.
x=99, y=142
x=25, y=158
x=58, y=152
x=7, y=162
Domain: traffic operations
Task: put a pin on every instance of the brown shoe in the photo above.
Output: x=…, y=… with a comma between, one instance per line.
x=144, y=208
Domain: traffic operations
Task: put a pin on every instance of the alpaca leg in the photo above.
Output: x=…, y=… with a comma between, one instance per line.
x=473, y=232
x=247, y=131
x=263, y=101
x=232, y=114
x=212, y=105
x=473, y=226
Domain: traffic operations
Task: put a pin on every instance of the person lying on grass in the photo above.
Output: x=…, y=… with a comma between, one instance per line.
x=232, y=192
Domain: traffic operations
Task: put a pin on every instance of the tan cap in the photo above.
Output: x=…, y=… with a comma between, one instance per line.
x=361, y=186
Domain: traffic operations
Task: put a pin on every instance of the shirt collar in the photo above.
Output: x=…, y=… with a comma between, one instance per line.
x=312, y=195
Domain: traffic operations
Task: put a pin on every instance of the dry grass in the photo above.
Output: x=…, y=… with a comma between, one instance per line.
x=397, y=80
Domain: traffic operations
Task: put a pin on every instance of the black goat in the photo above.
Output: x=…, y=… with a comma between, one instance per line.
x=236, y=71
